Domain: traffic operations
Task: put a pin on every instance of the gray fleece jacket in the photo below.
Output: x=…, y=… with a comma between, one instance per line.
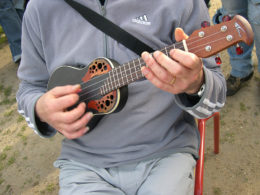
x=153, y=123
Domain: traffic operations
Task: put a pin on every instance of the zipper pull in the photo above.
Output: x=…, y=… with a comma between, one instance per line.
x=103, y=10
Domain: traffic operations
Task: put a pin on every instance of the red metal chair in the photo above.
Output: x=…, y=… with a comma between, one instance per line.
x=200, y=163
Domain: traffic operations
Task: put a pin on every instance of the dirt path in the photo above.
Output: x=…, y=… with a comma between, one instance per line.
x=26, y=159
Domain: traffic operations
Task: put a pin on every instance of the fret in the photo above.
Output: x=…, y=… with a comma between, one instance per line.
x=185, y=45
x=166, y=51
x=128, y=72
x=136, y=71
x=101, y=90
x=110, y=81
x=125, y=74
x=131, y=75
x=116, y=78
x=112, y=78
x=121, y=76
x=104, y=88
x=140, y=65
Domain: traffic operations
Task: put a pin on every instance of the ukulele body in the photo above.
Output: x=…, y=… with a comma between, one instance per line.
x=91, y=78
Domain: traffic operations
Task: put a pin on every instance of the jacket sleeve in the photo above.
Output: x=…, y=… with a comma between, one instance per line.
x=33, y=75
x=213, y=98
x=214, y=95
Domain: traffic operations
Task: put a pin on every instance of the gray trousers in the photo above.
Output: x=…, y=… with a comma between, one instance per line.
x=173, y=174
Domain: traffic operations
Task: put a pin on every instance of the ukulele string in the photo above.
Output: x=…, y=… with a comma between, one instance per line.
x=135, y=72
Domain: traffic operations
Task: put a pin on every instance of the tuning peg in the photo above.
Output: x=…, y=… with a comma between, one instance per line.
x=239, y=50
x=205, y=24
x=218, y=60
x=226, y=18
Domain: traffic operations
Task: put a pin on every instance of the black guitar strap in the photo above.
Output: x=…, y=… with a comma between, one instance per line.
x=110, y=28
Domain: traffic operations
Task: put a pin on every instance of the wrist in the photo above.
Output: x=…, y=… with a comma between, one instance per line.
x=38, y=110
x=198, y=86
x=200, y=92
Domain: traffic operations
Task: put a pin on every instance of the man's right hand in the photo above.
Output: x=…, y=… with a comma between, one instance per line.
x=52, y=109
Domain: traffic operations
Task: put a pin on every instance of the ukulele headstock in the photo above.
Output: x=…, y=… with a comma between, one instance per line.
x=208, y=41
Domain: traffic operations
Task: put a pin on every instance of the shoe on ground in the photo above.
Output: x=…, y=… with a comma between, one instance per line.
x=235, y=83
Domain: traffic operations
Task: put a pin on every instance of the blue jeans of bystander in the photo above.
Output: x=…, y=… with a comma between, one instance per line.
x=11, y=21
x=250, y=9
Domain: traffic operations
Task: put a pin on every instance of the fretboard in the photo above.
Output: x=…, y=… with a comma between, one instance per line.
x=130, y=72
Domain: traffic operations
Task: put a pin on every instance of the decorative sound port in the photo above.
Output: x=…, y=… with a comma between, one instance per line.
x=111, y=97
x=99, y=66
x=107, y=102
x=105, y=67
x=102, y=106
x=93, y=67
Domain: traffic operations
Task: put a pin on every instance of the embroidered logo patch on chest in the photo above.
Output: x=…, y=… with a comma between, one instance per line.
x=142, y=20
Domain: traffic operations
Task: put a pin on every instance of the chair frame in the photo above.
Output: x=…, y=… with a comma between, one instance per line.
x=200, y=163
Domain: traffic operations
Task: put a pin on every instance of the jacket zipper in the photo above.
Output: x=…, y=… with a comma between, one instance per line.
x=103, y=13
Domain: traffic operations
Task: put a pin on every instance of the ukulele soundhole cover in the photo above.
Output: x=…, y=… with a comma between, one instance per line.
x=105, y=104
x=97, y=67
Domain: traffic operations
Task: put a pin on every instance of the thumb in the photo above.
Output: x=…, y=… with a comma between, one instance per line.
x=180, y=34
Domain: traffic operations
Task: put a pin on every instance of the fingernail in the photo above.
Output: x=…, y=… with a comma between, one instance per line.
x=90, y=115
x=76, y=86
x=156, y=54
x=145, y=56
x=86, y=129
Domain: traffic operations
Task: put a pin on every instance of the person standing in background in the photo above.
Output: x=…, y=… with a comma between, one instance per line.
x=241, y=55
x=25, y=3
x=11, y=14
x=207, y=2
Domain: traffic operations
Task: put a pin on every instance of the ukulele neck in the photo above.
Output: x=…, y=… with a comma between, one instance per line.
x=131, y=71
